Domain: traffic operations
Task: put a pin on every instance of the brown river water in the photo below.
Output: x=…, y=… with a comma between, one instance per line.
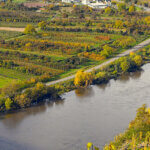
x=95, y=114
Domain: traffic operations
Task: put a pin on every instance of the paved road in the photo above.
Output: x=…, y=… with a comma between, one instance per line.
x=135, y=48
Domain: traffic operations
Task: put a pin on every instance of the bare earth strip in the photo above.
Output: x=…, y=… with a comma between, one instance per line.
x=11, y=29
x=127, y=52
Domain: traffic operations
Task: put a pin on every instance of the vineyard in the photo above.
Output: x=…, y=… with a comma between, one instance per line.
x=53, y=53
x=60, y=39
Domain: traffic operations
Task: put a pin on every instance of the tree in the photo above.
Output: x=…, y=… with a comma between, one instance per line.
x=107, y=51
x=23, y=100
x=118, y=24
x=101, y=77
x=83, y=79
x=121, y=6
x=108, y=10
x=28, y=46
x=131, y=9
x=125, y=65
x=138, y=60
x=89, y=146
x=124, y=42
x=29, y=29
x=8, y=104
x=42, y=25
x=147, y=20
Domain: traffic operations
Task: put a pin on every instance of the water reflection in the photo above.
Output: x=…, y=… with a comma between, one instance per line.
x=133, y=75
x=84, y=92
x=89, y=92
x=94, y=114
x=137, y=74
x=103, y=86
x=14, y=119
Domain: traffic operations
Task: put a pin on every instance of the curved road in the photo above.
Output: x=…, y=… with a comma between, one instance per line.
x=127, y=52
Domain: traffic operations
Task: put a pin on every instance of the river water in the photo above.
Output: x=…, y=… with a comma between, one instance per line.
x=95, y=114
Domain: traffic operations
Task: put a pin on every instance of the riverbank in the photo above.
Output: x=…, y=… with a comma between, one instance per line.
x=94, y=114
x=137, y=135
x=41, y=92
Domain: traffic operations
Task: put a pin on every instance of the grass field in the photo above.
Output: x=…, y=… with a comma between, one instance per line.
x=14, y=74
x=80, y=40
x=19, y=1
x=16, y=24
x=9, y=34
x=4, y=81
x=8, y=75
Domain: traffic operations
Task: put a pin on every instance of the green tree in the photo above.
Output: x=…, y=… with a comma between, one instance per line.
x=121, y=6
x=101, y=77
x=22, y=100
x=108, y=10
x=107, y=51
x=119, y=24
x=8, y=104
x=147, y=20
x=131, y=9
x=138, y=60
x=42, y=25
x=29, y=29
x=125, y=65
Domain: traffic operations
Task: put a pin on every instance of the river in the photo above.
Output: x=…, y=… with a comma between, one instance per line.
x=95, y=114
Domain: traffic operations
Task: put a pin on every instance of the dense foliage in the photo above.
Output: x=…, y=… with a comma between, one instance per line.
x=137, y=136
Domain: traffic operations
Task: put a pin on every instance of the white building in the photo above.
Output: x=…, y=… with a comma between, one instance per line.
x=70, y=1
x=85, y=2
x=66, y=1
x=100, y=4
x=91, y=3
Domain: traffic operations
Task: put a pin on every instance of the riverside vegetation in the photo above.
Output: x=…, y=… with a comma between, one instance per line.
x=15, y=98
x=45, y=52
x=136, y=137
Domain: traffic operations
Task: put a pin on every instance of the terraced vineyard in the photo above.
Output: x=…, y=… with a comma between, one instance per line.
x=46, y=42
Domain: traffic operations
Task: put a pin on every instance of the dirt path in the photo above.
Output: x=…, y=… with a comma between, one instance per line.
x=12, y=29
x=127, y=52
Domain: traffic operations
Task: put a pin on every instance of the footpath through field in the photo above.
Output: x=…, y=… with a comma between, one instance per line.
x=127, y=52
x=12, y=29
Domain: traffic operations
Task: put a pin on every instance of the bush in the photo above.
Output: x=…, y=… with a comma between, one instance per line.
x=29, y=29
x=101, y=77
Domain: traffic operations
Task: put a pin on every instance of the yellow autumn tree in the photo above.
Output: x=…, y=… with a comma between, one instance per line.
x=8, y=103
x=30, y=29
x=83, y=79
x=125, y=65
x=138, y=60
x=132, y=9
